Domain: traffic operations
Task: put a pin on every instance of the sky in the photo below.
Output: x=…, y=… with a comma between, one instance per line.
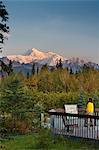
x=69, y=27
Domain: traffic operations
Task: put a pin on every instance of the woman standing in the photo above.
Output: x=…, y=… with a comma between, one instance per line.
x=89, y=111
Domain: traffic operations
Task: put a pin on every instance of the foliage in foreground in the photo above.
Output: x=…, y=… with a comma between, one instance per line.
x=23, y=99
x=44, y=140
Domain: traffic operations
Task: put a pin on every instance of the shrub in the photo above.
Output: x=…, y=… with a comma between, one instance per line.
x=44, y=140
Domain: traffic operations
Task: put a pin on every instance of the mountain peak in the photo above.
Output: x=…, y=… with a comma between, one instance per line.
x=35, y=50
x=36, y=55
x=30, y=51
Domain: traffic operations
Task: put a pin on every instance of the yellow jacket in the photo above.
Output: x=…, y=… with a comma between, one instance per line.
x=90, y=107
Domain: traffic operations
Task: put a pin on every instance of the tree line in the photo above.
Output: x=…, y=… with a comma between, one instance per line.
x=22, y=99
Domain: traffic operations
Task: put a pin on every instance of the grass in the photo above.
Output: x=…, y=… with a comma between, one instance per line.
x=44, y=141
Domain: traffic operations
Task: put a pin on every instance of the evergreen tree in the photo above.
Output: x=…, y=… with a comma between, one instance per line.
x=6, y=68
x=33, y=69
x=96, y=101
x=57, y=65
x=28, y=75
x=85, y=68
x=37, y=70
x=13, y=104
x=12, y=95
x=10, y=67
x=60, y=65
x=71, y=72
x=3, y=26
x=67, y=68
x=81, y=101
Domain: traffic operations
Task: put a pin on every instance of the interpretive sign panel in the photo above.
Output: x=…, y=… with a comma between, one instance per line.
x=72, y=109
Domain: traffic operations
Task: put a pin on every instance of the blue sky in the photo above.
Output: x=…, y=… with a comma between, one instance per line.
x=70, y=28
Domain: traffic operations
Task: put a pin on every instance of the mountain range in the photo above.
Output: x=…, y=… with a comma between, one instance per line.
x=24, y=62
x=34, y=55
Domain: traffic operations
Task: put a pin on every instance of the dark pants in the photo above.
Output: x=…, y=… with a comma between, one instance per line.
x=89, y=121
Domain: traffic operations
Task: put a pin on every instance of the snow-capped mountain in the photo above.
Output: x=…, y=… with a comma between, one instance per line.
x=34, y=55
x=25, y=62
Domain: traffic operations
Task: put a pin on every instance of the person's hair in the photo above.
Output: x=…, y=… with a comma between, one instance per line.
x=90, y=100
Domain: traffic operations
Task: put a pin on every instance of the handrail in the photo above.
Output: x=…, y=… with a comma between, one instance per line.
x=74, y=115
x=82, y=109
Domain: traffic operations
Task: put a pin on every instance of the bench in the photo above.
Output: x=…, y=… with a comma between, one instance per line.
x=70, y=122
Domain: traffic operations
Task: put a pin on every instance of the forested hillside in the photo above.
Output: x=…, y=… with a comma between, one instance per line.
x=22, y=98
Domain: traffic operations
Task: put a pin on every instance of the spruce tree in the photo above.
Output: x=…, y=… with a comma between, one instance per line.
x=33, y=69
x=57, y=65
x=28, y=75
x=60, y=65
x=81, y=102
x=71, y=72
x=13, y=102
x=37, y=70
x=3, y=26
x=12, y=96
x=10, y=67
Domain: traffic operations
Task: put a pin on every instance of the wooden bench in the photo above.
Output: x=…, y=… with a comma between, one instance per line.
x=70, y=122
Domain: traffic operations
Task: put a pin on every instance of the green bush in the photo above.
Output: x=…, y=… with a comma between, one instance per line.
x=44, y=140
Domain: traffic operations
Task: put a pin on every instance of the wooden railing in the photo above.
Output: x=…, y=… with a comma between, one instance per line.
x=74, y=125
